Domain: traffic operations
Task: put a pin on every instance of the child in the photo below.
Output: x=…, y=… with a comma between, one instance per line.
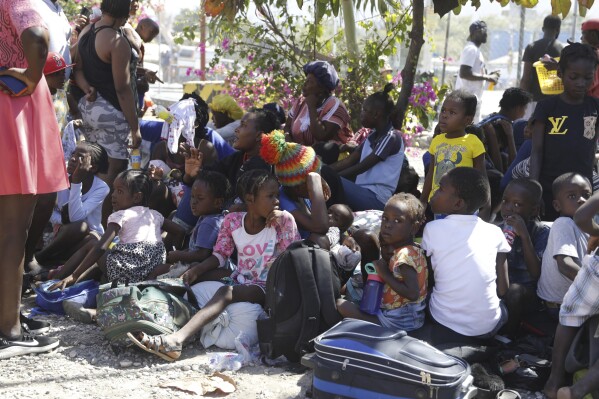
x=377, y=163
x=567, y=244
x=528, y=238
x=140, y=248
x=581, y=302
x=341, y=219
x=405, y=274
x=258, y=235
x=343, y=247
x=77, y=216
x=208, y=195
x=468, y=275
x=565, y=126
x=453, y=148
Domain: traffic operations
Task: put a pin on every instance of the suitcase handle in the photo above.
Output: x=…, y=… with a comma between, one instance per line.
x=399, y=334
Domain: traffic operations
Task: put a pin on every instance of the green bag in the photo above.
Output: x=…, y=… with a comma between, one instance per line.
x=154, y=307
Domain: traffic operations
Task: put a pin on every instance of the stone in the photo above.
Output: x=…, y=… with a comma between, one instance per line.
x=125, y=363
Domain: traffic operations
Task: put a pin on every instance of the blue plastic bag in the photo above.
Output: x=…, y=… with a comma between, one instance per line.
x=83, y=292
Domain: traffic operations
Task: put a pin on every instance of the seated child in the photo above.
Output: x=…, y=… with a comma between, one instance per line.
x=405, y=274
x=580, y=303
x=140, y=248
x=468, y=275
x=259, y=236
x=528, y=238
x=77, y=216
x=208, y=195
x=567, y=244
x=343, y=247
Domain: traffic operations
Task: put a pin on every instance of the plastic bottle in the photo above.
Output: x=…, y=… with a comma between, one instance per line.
x=509, y=233
x=491, y=86
x=135, y=158
x=373, y=291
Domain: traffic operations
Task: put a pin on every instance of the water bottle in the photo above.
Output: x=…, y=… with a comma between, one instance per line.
x=135, y=158
x=373, y=291
x=509, y=233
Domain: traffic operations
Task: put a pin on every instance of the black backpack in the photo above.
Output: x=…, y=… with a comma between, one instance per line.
x=301, y=289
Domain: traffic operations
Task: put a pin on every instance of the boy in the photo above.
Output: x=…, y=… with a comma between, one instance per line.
x=468, y=275
x=528, y=238
x=567, y=244
x=581, y=302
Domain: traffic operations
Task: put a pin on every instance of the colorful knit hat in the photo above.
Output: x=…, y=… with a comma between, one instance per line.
x=292, y=161
x=226, y=104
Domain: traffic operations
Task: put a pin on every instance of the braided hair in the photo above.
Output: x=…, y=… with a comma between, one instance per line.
x=575, y=52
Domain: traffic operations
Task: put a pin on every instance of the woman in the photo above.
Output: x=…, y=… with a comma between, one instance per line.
x=105, y=71
x=318, y=118
x=32, y=163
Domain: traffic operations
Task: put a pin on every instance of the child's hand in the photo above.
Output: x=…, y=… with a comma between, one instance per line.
x=192, y=275
x=78, y=123
x=273, y=216
x=351, y=244
x=172, y=257
x=518, y=224
x=64, y=283
x=193, y=160
x=381, y=267
x=84, y=166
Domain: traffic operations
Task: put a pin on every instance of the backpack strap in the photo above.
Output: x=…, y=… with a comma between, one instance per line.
x=323, y=274
x=302, y=262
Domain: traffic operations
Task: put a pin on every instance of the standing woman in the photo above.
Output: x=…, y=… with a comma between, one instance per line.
x=318, y=118
x=105, y=71
x=31, y=159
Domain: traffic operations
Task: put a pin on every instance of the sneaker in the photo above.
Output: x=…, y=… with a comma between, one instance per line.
x=77, y=312
x=26, y=344
x=34, y=327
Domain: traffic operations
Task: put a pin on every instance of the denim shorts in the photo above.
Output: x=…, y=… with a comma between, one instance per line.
x=408, y=317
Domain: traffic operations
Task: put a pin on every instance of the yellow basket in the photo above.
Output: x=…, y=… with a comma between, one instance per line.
x=548, y=80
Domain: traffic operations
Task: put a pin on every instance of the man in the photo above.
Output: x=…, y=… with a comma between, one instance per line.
x=548, y=44
x=590, y=36
x=473, y=73
x=59, y=29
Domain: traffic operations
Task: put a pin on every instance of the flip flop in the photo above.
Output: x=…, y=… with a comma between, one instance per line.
x=153, y=343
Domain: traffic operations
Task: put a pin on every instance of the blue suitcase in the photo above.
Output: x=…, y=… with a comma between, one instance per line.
x=362, y=360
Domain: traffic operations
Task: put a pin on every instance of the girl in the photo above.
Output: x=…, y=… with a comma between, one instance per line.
x=208, y=195
x=453, y=148
x=77, y=216
x=564, y=132
x=258, y=235
x=376, y=164
x=405, y=274
x=138, y=227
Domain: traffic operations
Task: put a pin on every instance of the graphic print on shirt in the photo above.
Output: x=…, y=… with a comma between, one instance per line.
x=557, y=124
x=589, y=127
x=447, y=157
x=254, y=258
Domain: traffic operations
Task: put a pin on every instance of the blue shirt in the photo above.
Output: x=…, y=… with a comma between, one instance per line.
x=517, y=270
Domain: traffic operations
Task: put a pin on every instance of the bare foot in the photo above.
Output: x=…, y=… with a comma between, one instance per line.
x=551, y=387
x=564, y=393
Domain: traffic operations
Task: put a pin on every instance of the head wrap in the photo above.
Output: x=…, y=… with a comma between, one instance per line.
x=477, y=25
x=225, y=104
x=590, y=24
x=324, y=72
x=292, y=161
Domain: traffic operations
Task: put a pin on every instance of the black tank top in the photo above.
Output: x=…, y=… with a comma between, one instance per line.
x=99, y=73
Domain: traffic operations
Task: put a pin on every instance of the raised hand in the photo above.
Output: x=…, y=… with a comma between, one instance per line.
x=193, y=160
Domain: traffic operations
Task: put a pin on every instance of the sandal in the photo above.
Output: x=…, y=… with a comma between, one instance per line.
x=157, y=345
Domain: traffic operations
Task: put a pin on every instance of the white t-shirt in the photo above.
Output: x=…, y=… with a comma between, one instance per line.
x=463, y=251
x=87, y=207
x=138, y=224
x=472, y=57
x=59, y=29
x=565, y=238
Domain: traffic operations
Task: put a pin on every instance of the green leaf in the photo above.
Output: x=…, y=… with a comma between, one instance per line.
x=300, y=4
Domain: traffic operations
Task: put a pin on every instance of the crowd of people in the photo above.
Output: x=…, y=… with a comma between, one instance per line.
x=498, y=235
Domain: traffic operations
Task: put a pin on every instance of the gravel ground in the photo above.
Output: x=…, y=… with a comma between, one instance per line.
x=84, y=366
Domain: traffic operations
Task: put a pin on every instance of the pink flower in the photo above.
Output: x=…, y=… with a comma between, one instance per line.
x=250, y=57
x=225, y=44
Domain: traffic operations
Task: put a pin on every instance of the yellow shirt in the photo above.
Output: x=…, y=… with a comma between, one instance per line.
x=453, y=153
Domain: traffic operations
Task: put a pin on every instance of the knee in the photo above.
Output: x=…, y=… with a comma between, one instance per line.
x=515, y=295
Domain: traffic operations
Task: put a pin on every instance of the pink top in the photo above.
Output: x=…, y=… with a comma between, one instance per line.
x=254, y=251
x=15, y=17
x=332, y=110
x=138, y=224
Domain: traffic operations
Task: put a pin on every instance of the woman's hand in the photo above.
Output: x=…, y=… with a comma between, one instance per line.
x=91, y=94
x=135, y=139
x=24, y=76
x=84, y=165
x=193, y=160
x=64, y=283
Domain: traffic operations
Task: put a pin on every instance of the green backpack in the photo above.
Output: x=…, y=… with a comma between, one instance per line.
x=154, y=307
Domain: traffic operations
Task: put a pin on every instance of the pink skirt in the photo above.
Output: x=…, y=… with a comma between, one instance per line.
x=31, y=158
